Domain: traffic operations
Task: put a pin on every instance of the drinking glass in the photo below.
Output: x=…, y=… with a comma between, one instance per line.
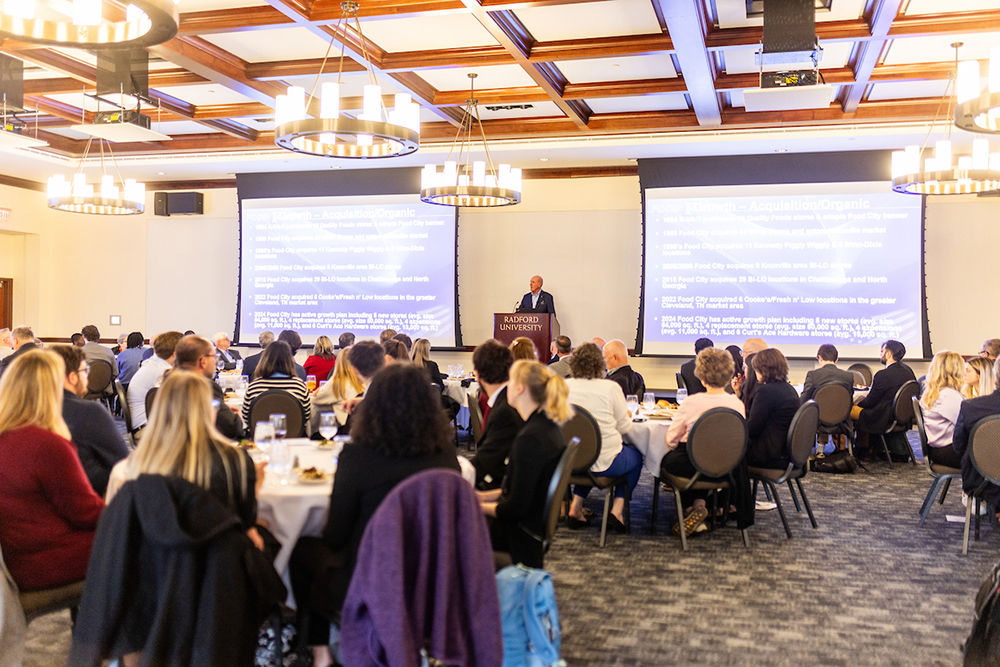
x=681, y=395
x=263, y=436
x=648, y=401
x=280, y=461
x=327, y=425
x=310, y=382
x=280, y=424
x=243, y=384
x=632, y=402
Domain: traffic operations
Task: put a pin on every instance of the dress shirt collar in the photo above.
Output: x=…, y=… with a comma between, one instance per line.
x=496, y=392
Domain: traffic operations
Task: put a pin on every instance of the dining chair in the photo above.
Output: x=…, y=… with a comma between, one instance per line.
x=99, y=379
x=126, y=412
x=984, y=453
x=278, y=401
x=475, y=418
x=902, y=418
x=833, y=402
x=799, y=443
x=149, y=400
x=942, y=474
x=865, y=370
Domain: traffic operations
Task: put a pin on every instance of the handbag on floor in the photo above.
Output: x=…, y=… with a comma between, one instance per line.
x=840, y=462
x=982, y=648
x=529, y=617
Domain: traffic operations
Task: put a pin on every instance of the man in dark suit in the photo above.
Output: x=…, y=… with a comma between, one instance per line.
x=693, y=384
x=24, y=340
x=616, y=361
x=250, y=363
x=295, y=342
x=873, y=414
x=196, y=354
x=99, y=444
x=491, y=364
x=972, y=412
x=228, y=357
x=827, y=373
x=537, y=300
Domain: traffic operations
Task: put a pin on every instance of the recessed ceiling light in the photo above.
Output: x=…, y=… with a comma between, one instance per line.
x=780, y=150
x=543, y=159
x=161, y=173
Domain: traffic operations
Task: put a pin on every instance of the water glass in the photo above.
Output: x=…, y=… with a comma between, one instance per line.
x=311, y=382
x=263, y=436
x=648, y=401
x=280, y=461
x=632, y=403
x=327, y=425
x=242, y=385
x=280, y=424
x=681, y=395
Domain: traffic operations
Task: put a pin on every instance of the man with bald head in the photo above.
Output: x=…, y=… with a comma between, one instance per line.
x=537, y=300
x=616, y=361
x=746, y=385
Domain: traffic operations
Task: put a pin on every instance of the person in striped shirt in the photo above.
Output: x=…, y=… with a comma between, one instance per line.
x=276, y=370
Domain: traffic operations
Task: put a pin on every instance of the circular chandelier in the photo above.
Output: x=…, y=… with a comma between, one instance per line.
x=112, y=197
x=941, y=174
x=460, y=183
x=81, y=24
x=978, y=107
x=375, y=132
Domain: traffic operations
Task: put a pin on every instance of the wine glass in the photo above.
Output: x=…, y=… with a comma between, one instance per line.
x=280, y=424
x=280, y=461
x=244, y=382
x=311, y=382
x=632, y=403
x=263, y=436
x=648, y=401
x=682, y=393
x=327, y=425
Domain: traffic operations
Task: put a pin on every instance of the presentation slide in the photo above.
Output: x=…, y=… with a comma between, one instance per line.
x=796, y=265
x=326, y=265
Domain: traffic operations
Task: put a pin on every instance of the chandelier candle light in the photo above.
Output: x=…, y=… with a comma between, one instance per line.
x=460, y=183
x=375, y=133
x=81, y=23
x=112, y=197
x=978, y=107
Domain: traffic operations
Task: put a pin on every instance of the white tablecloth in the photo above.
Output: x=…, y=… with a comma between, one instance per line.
x=454, y=390
x=650, y=438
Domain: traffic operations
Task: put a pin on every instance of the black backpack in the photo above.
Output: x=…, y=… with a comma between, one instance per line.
x=982, y=648
x=840, y=462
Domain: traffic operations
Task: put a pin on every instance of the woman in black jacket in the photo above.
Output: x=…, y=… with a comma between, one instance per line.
x=771, y=410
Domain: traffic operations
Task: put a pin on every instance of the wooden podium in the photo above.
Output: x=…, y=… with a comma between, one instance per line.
x=541, y=328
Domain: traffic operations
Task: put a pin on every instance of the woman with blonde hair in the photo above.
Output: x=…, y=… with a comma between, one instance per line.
x=48, y=510
x=941, y=402
x=978, y=379
x=523, y=348
x=320, y=363
x=421, y=358
x=540, y=397
x=331, y=397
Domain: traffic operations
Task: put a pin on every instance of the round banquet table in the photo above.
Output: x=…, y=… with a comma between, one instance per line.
x=650, y=438
x=454, y=390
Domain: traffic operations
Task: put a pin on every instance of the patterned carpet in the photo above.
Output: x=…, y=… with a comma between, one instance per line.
x=868, y=587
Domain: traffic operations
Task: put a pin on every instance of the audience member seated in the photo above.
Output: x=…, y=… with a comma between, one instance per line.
x=539, y=396
x=691, y=381
x=197, y=354
x=395, y=350
x=563, y=350
x=77, y=340
x=991, y=349
x=23, y=341
x=978, y=378
x=616, y=361
x=120, y=345
x=345, y=340
x=714, y=370
x=149, y=374
x=366, y=359
x=826, y=373
x=491, y=364
x=941, y=402
x=6, y=345
x=131, y=357
x=48, y=510
x=331, y=397
x=386, y=335
x=971, y=413
x=737, y=354
x=873, y=413
x=264, y=339
x=95, y=351
x=745, y=382
x=320, y=363
x=405, y=340
x=276, y=371
x=605, y=401
x=523, y=348
x=398, y=430
x=771, y=410
x=421, y=358
x=294, y=342
x=99, y=443
x=228, y=357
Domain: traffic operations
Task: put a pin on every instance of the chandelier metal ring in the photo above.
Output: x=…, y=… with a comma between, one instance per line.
x=974, y=115
x=96, y=205
x=303, y=136
x=159, y=24
x=469, y=195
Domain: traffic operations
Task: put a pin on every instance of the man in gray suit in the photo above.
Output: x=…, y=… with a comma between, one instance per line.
x=564, y=350
x=827, y=373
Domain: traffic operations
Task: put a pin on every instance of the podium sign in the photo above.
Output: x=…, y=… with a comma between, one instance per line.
x=541, y=328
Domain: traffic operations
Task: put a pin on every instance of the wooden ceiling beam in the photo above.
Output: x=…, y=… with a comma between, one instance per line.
x=267, y=71
x=576, y=91
x=688, y=26
x=241, y=110
x=237, y=19
x=56, y=86
x=601, y=47
x=72, y=114
x=883, y=14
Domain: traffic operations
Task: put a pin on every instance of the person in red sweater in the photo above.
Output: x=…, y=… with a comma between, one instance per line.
x=321, y=362
x=48, y=510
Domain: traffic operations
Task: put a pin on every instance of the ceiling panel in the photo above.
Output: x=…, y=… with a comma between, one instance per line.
x=929, y=49
x=79, y=100
x=493, y=76
x=740, y=60
x=934, y=6
x=422, y=33
x=590, y=19
x=207, y=5
x=665, y=102
x=203, y=94
x=733, y=12
x=181, y=127
x=896, y=90
x=352, y=84
x=537, y=110
x=255, y=46
x=626, y=68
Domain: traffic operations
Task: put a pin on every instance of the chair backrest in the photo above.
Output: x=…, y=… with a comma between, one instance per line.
x=859, y=379
x=475, y=416
x=278, y=401
x=126, y=412
x=680, y=381
x=802, y=432
x=918, y=418
x=98, y=378
x=12, y=621
x=557, y=491
x=834, y=404
x=902, y=405
x=866, y=372
x=582, y=425
x=984, y=447
x=717, y=441
x=150, y=397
